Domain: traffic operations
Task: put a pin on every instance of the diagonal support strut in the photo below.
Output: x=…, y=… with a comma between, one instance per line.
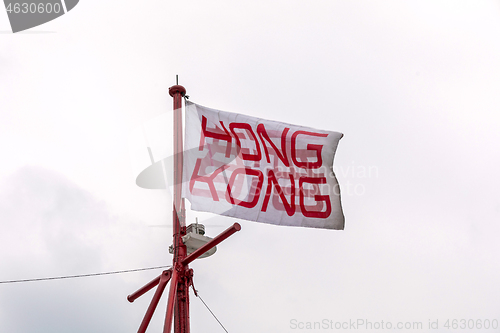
x=161, y=281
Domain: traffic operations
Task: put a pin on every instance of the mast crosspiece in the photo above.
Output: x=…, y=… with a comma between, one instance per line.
x=180, y=275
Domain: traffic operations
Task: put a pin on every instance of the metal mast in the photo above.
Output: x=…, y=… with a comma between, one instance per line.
x=180, y=275
x=181, y=307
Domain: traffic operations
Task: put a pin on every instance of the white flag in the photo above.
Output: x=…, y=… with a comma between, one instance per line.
x=260, y=170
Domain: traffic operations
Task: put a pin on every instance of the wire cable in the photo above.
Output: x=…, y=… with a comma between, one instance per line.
x=83, y=275
x=201, y=299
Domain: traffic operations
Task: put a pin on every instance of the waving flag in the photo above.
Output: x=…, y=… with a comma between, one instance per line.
x=260, y=170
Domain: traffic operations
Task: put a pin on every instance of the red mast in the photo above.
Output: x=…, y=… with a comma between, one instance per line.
x=180, y=275
x=181, y=307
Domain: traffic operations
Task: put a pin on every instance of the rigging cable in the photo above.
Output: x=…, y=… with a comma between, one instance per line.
x=83, y=275
x=198, y=295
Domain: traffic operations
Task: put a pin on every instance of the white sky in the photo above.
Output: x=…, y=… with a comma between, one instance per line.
x=413, y=86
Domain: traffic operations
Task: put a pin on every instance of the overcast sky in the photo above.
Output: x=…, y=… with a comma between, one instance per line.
x=413, y=85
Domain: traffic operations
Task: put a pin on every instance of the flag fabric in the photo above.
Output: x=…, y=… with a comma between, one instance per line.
x=260, y=170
